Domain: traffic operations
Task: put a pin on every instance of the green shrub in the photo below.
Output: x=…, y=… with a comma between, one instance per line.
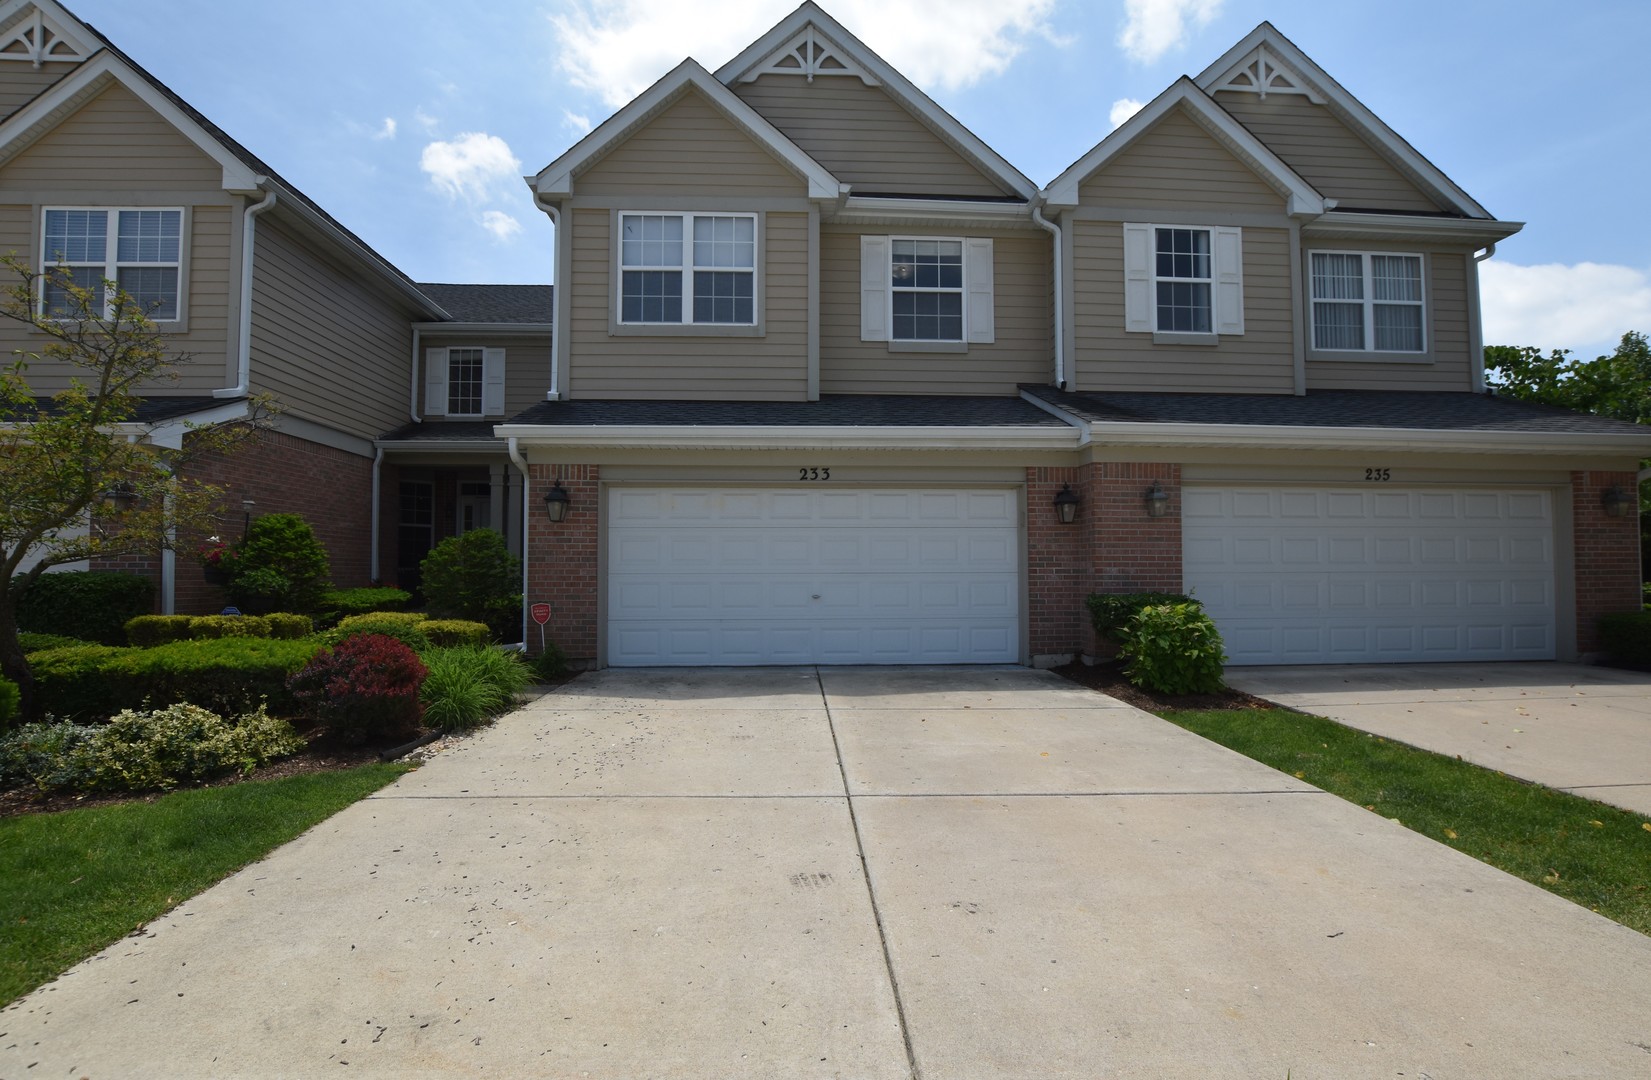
x=69, y=682
x=93, y=605
x=11, y=702
x=1626, y=639
x=343, y=603
x=404, y=626
x=367, y=687
x=149, y=630
x=211, y=627
x=1174, y=649
x=143, y=751
x=1110, y=613
x=550, y=664
x=468, y=684
x=34, y=642
x=445, y=633
x=279, y=566
x=91, y=682
x=286, y=626
x=475, y=577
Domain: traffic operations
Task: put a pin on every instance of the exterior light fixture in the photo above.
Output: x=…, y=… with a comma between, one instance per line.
x=1157, y=500
x=1618, y=503
x=246, y=516
x=121, y=496
x=557, y=502
x=1066, y=504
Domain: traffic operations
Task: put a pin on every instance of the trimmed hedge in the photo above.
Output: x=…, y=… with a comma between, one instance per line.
x=146, y=631
x=286, y=626
x=69, y=682
x=11, y=702
x=342, y=603
x=210, y=627
x=226, y=675
x=1627, y=639
x=1110, y=613
x=404, y=626
x=451, y=633
x=34, y=642
x=93, y=605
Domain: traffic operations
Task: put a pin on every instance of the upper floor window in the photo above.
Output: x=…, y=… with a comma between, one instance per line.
x=140, y=250
x=927, y=286
x=1367, y=301
x=1181, y=279
x=926, y=291
x=689, y=269
x=1183, y=283
x=464, y=381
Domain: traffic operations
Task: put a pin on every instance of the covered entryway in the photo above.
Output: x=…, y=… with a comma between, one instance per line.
x=748, y=575
x=1311, y=575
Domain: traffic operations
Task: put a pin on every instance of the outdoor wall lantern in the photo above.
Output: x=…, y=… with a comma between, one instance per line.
x=1157, y=500
x=556, y=503
x=1066, y=504
x=122, y=496
x=1618, y=503
x=246, y=516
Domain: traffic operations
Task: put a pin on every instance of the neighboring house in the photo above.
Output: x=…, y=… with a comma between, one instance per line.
x=828, y=373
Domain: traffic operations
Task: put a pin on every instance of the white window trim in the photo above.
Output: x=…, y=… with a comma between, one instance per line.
x=687, y=270
x=438, y=372
x=877, y=294
x=1141, y=282
x=1368, y=303
x=112, y=264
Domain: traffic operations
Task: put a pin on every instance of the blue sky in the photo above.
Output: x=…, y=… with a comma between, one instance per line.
x=411, y=122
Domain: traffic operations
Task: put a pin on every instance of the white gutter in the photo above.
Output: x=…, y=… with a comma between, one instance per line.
x=412, y=389
x=1060, y=295
x=556, y=335
x=243, y=343
x=1266, y=436
x=1351, y=225
x=876, y=207
x=372, y=565
x=794, y=437
x=521, y=464
x=1476, y=323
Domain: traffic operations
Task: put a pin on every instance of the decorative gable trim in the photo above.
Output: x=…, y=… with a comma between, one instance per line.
x=45, y=33
x=809, y=54
x=1267, y=51
x=761, y=55
x=557, y=178
x=1301, y=198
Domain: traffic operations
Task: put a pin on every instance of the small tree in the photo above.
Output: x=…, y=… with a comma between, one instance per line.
x=279, y=566
x=475, y=577
x=80, y=477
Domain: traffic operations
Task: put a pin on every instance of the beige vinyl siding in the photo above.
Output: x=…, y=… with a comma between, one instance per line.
x=115, y=142
x=1177, y=165
x=1022, y=310
x=1327, y=153
x=698, y=366
x=864, y=137
x=1260, y=361
x=328, y=347
x=21, y=83
x=1447, y=322
x=689, y=149
x=526, y=364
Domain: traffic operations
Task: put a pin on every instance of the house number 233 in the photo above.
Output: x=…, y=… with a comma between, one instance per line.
x=814, y=472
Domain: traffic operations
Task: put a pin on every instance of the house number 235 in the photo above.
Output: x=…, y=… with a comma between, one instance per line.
x=814, y=472
x=1378, y=475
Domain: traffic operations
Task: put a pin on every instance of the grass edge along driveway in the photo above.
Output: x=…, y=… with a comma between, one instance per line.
x=74, y=882
x=1588, y=852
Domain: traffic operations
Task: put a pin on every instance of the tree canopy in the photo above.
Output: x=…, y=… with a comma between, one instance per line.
x=1617, y=385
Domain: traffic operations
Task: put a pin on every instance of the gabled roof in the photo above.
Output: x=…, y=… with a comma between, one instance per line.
x=557, y=177
x=1302, y=198
x=850, y=51
x=1264, y=51
x=504, y=304
x=50, y=32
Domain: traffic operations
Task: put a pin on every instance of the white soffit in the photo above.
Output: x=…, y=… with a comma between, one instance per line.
x=1302, y=198
x=557, y=178
x=809, y=24
x=1265, y=49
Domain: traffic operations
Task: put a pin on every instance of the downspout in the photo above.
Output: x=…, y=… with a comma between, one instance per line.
x=521, y=465
x=555, y=391
x=243, y=344
x=1060, y=292
x=1476, y=325
x=378, y=463
x=412, y=379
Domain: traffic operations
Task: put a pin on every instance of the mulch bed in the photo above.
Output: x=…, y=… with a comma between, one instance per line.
x=1108, y=677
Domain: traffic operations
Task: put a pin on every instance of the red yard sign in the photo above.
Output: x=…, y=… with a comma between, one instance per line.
x=540, y=613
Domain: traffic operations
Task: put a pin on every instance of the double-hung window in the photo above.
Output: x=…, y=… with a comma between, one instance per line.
x=927, y=293
x=140, y=250
x=688, y=269
x=1181, y=280
x=1184, y=284
x=1367, y=302
x=464, y=381
x=927, y=290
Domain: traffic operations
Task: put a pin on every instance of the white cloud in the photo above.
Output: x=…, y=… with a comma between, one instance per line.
x=1585, y=307
x=1123, y=109
x=388, y=131
x=500, y=224
x=472, y=166
x=1154, y=27
x=425, y=121
x=574, y=122
x=617, y=48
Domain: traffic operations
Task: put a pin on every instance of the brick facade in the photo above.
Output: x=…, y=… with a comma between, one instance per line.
x=1057, y=565
x=1607, y=553
x=562, y=559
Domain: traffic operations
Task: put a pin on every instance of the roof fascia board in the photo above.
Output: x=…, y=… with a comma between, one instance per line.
x=556, y=179
x=495, y=329
x=169, y=433
x=1304, y=437
x=788, y=437
x=943, y=210
x=437, y=447
x=34, y=119
x=902, y=89
x=1406, y=227
x=1348, y=107
x=1302, y=199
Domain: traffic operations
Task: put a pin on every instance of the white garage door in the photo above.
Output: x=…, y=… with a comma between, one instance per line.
x=821, y=575
x=1337, y=576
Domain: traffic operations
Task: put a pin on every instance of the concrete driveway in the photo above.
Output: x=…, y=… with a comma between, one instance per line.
x=936, y=873
x=1583, y=729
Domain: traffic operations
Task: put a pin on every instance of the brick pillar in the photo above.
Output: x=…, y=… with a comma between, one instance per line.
x=1057, y=566
x=562, y=560
x=1131, y=551
x=1607, y=553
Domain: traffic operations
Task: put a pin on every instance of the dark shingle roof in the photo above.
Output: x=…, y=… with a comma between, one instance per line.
x=492, y=303
x=438, y=431
x=832, y=410
x=156, y=410
x=1336, y=409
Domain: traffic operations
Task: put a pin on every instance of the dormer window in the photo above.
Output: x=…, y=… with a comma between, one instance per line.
x=688, y=269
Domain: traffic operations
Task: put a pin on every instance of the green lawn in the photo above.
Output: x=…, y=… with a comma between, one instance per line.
x=73, y=882
x=1589, y=853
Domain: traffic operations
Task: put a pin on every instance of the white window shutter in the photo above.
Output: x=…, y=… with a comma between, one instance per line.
x=435, y=382
x=1138, y=279
x=977, y=285
x=1229, y=280
x=492, y=382
x=875, y=271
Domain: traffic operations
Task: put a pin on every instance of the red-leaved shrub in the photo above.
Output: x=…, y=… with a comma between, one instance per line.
x=366, y=687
